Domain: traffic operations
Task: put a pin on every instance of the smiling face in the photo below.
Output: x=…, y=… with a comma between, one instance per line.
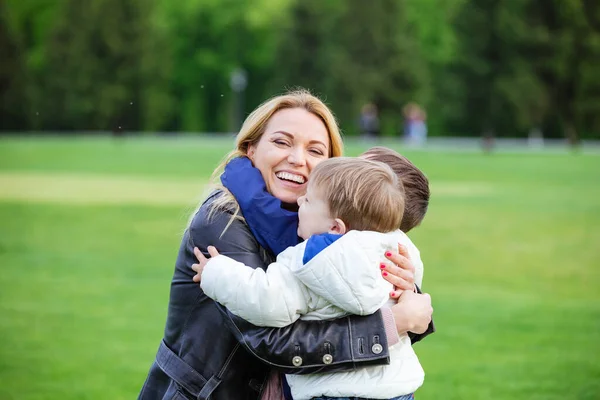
x=314, y=216
x=293, y=143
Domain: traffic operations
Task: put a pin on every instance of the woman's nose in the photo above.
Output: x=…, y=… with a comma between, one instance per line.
x=297, y=157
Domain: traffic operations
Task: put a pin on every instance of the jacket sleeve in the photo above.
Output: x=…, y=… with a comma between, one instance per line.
x=300, y=347
x=264, y=298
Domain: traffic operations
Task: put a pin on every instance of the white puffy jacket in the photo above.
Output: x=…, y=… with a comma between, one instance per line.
x=344, y=278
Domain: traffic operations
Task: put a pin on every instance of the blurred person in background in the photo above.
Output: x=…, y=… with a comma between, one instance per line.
x=208, y=351
x=369, y=122
x=415, y=127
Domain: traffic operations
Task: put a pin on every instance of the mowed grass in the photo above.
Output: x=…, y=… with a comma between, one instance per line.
x=90, y=230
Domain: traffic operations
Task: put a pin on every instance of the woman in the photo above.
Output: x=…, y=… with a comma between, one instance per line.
x=207, y=351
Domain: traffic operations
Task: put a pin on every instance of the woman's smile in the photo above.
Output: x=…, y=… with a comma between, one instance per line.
x=291, y=177
x=289, y=184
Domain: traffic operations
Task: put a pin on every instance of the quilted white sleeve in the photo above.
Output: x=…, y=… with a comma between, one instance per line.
x=274, y=298
x=415, y=257
x=346, y=274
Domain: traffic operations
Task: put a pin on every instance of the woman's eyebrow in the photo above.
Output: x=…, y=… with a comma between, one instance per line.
x=284, y=133
x=318, y=142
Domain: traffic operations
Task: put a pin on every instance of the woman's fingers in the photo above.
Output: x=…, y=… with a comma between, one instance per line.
x=403, y=251
x=198, y=268
x=202, y=260
x=401, y=279
x=413, y=312
x=199, y=255
x=402, y=259
x=401, y=273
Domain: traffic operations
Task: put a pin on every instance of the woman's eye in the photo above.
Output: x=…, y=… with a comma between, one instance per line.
x=280, y=142
x=316, y=152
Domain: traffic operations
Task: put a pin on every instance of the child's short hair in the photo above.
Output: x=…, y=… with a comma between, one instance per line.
x=365, y=194
x=416, y=185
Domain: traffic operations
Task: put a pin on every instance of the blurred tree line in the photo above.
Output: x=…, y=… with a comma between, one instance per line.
x=492, y=67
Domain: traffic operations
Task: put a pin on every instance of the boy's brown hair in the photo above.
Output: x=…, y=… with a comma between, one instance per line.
x=416, y=184
x=365, y=194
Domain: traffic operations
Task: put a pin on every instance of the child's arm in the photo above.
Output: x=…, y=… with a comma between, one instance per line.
x=274, y=298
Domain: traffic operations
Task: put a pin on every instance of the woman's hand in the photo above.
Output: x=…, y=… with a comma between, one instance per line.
x=413, y=312
x=202, y=261
x=401, y=273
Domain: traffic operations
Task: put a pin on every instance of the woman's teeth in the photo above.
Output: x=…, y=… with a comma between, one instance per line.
x=290, y=177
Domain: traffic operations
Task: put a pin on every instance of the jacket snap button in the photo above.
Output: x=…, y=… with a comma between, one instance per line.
x=377, y=348
x=297, y=361
x=327, y=359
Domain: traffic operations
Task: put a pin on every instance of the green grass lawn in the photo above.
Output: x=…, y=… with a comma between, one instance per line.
x=90, y=229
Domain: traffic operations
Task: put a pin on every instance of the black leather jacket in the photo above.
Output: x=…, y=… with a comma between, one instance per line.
x=208, y=351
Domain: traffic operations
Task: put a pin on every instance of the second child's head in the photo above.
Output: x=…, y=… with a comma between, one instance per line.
x=413, y=180
x=346, y=194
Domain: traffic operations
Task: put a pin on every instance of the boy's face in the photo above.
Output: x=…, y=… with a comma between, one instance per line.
x=313, y=214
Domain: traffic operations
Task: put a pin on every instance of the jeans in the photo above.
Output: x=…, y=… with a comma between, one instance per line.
x=403, y=397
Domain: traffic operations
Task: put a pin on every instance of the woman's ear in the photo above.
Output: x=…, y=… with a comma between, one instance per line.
x=251, y=151
x=338, y=227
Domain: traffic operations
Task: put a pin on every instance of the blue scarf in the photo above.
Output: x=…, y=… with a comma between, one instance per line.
x=274, y=227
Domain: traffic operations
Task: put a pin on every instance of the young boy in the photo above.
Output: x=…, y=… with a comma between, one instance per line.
x=415, y=183
x=350, y=217
x=416, y=190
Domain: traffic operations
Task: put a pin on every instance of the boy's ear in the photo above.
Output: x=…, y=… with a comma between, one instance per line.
x=338, y=227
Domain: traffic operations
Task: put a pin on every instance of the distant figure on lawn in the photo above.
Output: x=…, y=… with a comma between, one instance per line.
x=415, y=127
x=369, y=122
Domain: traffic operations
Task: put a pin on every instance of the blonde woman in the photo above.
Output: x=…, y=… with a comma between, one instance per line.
x=209, y=352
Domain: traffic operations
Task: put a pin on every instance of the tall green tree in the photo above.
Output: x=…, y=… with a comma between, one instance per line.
x=353, y=52
x=95, y=76
x=306, y=50
x=432, y=22
x=570, y=68
x=28, y=23
x=528, y=65
x=12, y=78
x=478, y=66
x=208, y=40
x=381, y=62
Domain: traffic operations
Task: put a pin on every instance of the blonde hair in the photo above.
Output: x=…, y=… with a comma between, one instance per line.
x=254, y=127
x=365, y=194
